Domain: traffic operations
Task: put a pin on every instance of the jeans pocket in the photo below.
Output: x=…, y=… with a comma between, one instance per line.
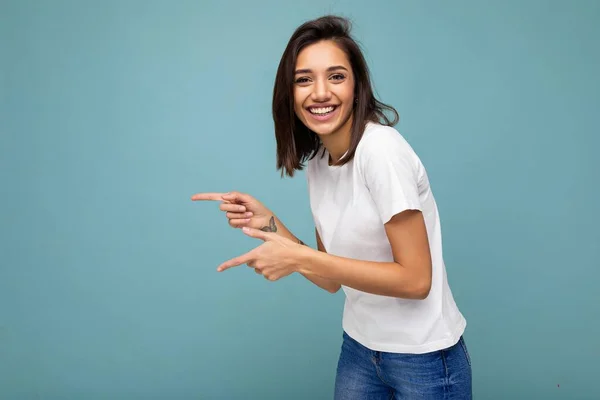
x=464, y=347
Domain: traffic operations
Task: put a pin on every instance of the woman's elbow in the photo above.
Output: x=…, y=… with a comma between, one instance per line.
x=334, y=289
x=419, y=289
x=422, y=290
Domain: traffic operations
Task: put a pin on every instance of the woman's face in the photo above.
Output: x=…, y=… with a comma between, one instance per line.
x=323, y=88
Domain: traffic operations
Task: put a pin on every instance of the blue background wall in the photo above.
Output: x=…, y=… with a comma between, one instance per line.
x=113, y=113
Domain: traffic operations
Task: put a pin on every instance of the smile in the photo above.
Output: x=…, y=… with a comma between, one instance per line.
x=323, y=114
x=321, y=110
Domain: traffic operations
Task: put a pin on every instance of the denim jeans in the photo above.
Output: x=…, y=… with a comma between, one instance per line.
x=373, y=375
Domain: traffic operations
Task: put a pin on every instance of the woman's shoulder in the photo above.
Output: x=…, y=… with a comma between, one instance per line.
x=381, y=140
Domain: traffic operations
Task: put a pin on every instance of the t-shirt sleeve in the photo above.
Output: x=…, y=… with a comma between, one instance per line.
x=390, y=171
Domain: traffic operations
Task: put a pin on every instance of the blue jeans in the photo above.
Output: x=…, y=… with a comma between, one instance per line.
x=373, y=375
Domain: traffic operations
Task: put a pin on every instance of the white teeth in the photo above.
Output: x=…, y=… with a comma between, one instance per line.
x=323, y=110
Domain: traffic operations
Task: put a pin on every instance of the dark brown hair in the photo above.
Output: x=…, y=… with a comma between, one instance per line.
x=295, y=142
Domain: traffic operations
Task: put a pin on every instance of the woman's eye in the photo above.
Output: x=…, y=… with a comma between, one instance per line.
x=338, y=77
x=302, y=80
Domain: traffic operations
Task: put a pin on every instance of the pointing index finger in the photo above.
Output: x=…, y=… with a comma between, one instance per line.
x=208, y=196
x=234, y=262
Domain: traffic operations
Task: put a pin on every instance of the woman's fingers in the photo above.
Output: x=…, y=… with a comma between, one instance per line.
x=239, y=223
x=208, y=196
x=235, y=211
x=232, y=207
x=236, y=214
x=239, y=215
x=237, y=197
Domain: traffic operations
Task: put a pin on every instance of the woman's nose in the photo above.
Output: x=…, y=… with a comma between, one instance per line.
x=321, y=91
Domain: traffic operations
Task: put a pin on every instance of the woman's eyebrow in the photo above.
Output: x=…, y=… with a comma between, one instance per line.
x=333, y=68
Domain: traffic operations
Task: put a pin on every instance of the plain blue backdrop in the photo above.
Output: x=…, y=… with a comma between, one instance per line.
x=113, y=113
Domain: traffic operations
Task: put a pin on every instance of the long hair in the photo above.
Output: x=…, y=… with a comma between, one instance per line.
x=295, y=142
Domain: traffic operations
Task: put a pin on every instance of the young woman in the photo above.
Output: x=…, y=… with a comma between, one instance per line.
x=377, y=224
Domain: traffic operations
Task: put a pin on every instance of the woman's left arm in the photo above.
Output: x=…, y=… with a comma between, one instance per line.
x=409, y=276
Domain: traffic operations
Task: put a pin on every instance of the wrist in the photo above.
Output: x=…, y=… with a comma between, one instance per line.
x=270, y=223
x=303, y=259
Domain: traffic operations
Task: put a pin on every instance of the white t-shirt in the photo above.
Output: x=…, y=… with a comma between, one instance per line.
x=350, y=205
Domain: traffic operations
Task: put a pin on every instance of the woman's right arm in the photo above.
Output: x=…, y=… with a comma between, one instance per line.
x=326, y=284
x=330, y=286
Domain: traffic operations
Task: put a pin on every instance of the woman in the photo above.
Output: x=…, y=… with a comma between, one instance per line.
x=377, y=225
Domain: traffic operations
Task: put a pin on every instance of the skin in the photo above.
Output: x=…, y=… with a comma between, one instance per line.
x=325, y=77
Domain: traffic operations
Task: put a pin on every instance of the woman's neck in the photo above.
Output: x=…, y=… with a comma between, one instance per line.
x=338, y=143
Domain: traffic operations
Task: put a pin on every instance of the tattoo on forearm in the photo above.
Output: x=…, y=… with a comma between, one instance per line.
x=271, y=228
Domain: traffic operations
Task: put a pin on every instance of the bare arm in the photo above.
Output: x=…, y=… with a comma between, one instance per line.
x=327, y=284
x=408, y=276
x=277, y=226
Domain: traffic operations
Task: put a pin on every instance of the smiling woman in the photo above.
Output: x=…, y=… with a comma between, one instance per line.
x=324, y=74
x=377, y=224
x=324, y=88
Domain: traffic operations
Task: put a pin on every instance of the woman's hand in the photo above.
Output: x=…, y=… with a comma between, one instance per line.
x=276, y=258
x=242, y=210
x=280, y=253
